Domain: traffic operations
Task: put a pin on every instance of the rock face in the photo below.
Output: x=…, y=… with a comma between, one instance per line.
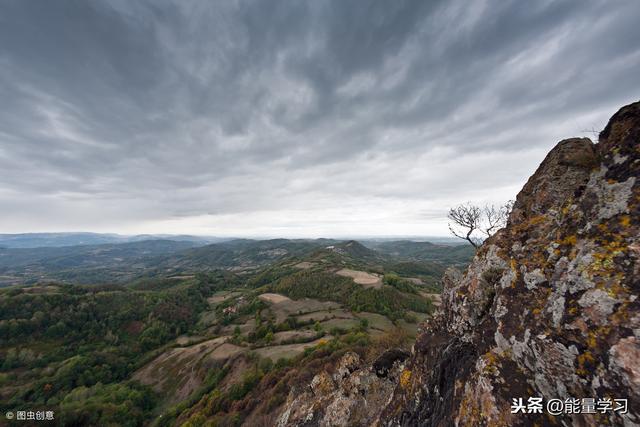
x=548, y=308
x=354, y=395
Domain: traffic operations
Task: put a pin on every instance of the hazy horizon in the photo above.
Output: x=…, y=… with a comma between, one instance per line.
x=250, y=237
x=290, y=118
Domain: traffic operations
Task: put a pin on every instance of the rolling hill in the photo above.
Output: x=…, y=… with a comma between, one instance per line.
x=122, y=262
x=459, y=255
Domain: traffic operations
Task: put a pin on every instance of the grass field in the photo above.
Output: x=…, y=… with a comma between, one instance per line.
x=283, y=307
x=288, y=351
x=368, y=280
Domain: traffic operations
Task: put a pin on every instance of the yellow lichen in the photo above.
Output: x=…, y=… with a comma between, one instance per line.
x=603, y=264
x=514, y=268
x=622, y=314
x=570, y=240
x=491, y=360
x=591, y=340
x=537, y=220
x=598, y=334
x=469, y=413
x=625, y=220
x=530, y=223
x=583, y=359
x=405, y=378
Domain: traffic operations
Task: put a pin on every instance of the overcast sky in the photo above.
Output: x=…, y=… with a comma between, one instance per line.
x=294, y=118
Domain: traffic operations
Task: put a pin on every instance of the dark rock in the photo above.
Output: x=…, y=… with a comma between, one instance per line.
x=385, y=361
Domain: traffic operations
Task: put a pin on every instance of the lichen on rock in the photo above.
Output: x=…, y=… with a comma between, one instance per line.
x=354, y=395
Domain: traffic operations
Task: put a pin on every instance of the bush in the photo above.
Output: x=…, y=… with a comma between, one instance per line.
x=410, y=318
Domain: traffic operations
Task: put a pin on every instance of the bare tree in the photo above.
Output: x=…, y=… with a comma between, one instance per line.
x=467, y=221
x=495, y=217
x=506, y=211
x=492, y=219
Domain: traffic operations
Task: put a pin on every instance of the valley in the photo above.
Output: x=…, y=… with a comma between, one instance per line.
x=165, y=332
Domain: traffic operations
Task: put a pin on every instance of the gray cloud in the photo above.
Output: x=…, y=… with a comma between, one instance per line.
x=293, y=118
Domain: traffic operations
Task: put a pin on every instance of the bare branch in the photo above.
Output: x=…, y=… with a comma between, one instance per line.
x=492, y=219
x=467, y=220
x=505, y=211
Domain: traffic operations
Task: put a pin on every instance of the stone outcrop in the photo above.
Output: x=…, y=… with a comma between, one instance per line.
x=354, y=395
x=548, y=308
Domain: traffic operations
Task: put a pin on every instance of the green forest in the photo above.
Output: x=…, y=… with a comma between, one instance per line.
x=74, y=347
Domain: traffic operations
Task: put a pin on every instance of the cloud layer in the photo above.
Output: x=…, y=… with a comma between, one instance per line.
x=289, y=118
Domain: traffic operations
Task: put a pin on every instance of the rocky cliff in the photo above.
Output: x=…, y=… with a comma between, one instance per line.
x=548, y=309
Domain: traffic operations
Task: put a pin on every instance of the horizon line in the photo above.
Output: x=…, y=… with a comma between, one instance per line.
x=239, y=236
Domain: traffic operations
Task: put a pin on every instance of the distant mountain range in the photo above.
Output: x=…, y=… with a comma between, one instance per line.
x=127, y=260
x=38, y=240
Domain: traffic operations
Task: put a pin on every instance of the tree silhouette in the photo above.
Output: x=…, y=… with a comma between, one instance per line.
x=474, y=223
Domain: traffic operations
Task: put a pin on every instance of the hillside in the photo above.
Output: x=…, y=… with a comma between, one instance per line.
x=211, y=322
x=548, y=308
x=239, y=254
x=123, y=262
x=460, y=254
x=91, y=264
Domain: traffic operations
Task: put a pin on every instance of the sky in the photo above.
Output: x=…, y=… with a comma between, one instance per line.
x=294, y=118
